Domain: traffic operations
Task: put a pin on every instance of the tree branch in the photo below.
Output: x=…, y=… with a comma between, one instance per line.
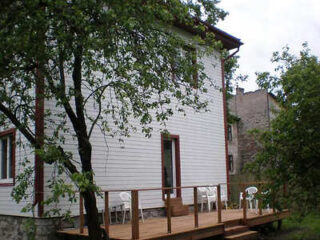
x=60, y=93
x=97, y=117
x=28, y=135
x=76, y=77
x=67, y=163
x=103, y=87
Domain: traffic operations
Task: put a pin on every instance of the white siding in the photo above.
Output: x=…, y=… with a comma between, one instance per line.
x=7, y=204
x=136, y=163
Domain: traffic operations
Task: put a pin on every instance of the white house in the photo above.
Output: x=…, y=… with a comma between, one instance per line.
x=194, y=155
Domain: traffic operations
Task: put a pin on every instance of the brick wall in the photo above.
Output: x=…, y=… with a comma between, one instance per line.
x=254, y=111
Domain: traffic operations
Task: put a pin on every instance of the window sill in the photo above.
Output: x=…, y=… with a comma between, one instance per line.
x=6, y=182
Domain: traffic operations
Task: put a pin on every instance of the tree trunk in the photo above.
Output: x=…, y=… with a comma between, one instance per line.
x=95, y=232
x=90, y=202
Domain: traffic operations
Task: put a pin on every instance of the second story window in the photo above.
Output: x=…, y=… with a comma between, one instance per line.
x=191, y=55
x=186, y=68
x=230, y=163
x=7, y=154
x=229, y=132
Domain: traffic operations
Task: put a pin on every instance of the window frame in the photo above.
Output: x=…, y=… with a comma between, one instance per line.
x=230, y=159
x=194, y=56
x=192, y=52
x=6, y=134
x=229, y=132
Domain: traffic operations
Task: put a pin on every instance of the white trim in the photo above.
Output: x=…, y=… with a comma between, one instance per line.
x=8, y=180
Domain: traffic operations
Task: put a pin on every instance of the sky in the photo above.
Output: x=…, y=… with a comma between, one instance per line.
x=266, y=26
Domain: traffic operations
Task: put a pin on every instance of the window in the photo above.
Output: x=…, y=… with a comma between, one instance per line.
x=229, y=132
x=188, y=58
x=191, y=55
x=7, y=157
x=230, y=163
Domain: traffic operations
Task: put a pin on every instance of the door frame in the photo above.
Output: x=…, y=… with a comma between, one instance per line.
x=177, y=162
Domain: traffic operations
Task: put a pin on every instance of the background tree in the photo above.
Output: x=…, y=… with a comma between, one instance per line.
x=116, y=57
x=232, y=79
x=291, y=149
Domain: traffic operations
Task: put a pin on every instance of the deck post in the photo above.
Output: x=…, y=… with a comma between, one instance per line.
x=106, y=212
x=135, y=214
x=219, y=203
x=273, y=201
x=260, y=200
x=244, y=203
x=81, y=213
x=168, y=210
x=195, y=203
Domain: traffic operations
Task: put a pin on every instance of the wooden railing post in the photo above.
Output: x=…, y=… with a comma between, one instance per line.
x=81, y=213
x=273, y=201
x=168, y=192
x=219, y=203
x=135, y=214
x=106, y=212
x=244, y=203
x=260, y=199
x=195, y=204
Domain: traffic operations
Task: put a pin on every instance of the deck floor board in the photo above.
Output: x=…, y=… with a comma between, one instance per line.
x=157, y=227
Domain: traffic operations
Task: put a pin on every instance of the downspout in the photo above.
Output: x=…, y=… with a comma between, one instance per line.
x=224, y=90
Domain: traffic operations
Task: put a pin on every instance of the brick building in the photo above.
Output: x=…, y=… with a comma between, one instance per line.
x=255, y=110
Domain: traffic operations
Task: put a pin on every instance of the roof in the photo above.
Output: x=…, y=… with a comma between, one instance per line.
x=229, y=42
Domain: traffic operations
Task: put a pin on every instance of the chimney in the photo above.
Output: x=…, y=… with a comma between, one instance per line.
x=239, y=91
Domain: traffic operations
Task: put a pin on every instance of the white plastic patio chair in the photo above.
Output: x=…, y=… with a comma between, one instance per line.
x=212, y=196
x=112, y=208
x=266, y=193
x=250, y=192
x=224, y=197
x=206, y=196
x=126, y=205
x=202, y=196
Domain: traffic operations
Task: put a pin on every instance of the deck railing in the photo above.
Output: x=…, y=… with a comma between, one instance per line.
x=167, y=191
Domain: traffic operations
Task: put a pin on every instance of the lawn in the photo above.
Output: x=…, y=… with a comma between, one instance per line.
x=297, y=228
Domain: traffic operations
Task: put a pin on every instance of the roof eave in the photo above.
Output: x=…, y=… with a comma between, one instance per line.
x=229, y=42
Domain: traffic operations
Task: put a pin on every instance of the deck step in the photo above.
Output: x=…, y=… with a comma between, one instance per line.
x=248, y=235
x=235, y=229
x=180, y=210
x=232, y=223
x=175, y=202
x=177, y=207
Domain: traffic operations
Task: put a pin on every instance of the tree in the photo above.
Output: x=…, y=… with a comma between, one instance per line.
x=231, y=80
x=74, y=52
x=291, y=149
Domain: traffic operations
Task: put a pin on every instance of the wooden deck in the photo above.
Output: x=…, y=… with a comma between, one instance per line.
x=183, y=227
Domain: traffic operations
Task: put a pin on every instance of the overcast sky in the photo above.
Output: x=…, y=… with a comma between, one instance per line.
x=265, y=26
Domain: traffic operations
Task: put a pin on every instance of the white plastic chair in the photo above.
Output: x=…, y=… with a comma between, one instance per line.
x=112, y=208
x=202, y=196
x=250, y=192
x=206, y=195
x=266, y=193
x=224, y=198
x=211, y=196
x=126, y=205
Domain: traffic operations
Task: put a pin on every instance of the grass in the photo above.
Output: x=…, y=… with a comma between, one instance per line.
x=297, y=228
